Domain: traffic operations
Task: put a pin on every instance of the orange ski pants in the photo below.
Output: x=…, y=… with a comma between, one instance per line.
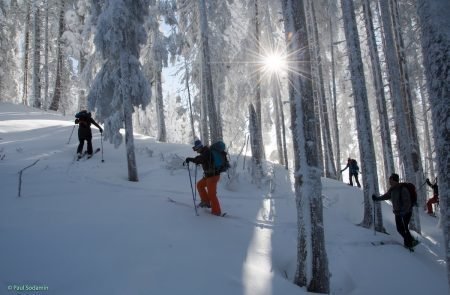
x=207, y=189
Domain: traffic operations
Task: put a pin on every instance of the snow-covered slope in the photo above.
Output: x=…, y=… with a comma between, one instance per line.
x=79, y=227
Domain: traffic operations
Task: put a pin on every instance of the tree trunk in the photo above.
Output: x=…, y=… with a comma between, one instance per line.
x=434, y=20
x=276, y=99
x=159, y=101
x=57, y=93
x=363, y=122
x=204, y=130
x=315, y=86
x=162, y=134
x=330, y=168
x=256, y=168
x=406, y=152
x=128, y=119
x=129, y=140
x=46, y=52
x=410, y=114
x=82, y=99
x=211, y=105
x=26, y=53
x=334, y=99
x=191, y=114
x=427, y=127
x=36, y=44
x=258, y=82
x=388, y=158
x=311, y=252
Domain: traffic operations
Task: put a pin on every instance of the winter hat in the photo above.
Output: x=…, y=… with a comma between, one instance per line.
x=197, y=145
x=394, y=177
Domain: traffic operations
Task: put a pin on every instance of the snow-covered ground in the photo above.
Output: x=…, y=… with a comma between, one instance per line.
x=83, y=228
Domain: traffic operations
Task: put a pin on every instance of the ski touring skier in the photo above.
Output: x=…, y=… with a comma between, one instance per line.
x=207, y=185
x=84, y=121
x=402, y=208
x=435, y=198
x=352, y=164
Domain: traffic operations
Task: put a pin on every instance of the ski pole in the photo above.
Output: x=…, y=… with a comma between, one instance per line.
x=195, y=181
x=101, y=142
x=374, y=230
x=71, y=134
x=422, y=185
x=192, y=189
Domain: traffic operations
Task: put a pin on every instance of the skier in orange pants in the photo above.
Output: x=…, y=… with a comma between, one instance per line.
x=207, y=186
x=207, y=189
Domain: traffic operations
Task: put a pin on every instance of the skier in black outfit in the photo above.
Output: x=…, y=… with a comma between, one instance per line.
x=402, y=207
x=84, y=121
x=352, y=164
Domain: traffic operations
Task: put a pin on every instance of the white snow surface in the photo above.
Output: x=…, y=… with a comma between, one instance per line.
x=80, y=227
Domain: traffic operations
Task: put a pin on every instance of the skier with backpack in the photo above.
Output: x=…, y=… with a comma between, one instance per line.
x=209, y=158
x=403, y=198
x=84, y=121
x=352, y=164
x=435, y=198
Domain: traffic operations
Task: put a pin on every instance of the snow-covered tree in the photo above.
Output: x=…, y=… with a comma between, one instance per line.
x=408, y=152
x=365, y=138
x=435, y=24
x=26, y=49
x=120, y=84
x=36, y=49
x=8, y=32
x=57, y=93
x=214, y=130
x=312, y=262
x=156, y=55
x=254, y=130
x=385, y=134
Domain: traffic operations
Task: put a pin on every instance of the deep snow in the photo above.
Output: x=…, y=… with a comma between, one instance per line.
x=82, y=228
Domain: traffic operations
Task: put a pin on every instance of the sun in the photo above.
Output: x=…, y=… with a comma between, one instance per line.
x=274, y=63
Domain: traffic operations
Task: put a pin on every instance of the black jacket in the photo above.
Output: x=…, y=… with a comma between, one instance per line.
x=84, y=129
x=400, y=198
x=205, y=159
x=434, y=187
x=353, y=165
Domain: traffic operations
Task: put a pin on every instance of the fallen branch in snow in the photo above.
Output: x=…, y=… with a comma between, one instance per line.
x=20, y=175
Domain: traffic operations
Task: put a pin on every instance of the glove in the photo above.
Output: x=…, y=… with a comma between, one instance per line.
x=77, y=121
x=427, y=180
x=374, y=197
x=188, y=160
x=101, y=130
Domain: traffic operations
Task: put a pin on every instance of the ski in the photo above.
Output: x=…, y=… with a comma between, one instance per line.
x=178, y=202
x=391, y=242
x=96, y=151
x=225, y=214
x=79, y=157
x=182, y=204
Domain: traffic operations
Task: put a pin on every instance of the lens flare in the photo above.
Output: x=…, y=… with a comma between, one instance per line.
x=274, y=63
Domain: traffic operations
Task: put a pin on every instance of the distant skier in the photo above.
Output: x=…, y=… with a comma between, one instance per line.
x=402, y=207
x=353, y=171
x=435, y=198
x=207, y=186
x=84, y=121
